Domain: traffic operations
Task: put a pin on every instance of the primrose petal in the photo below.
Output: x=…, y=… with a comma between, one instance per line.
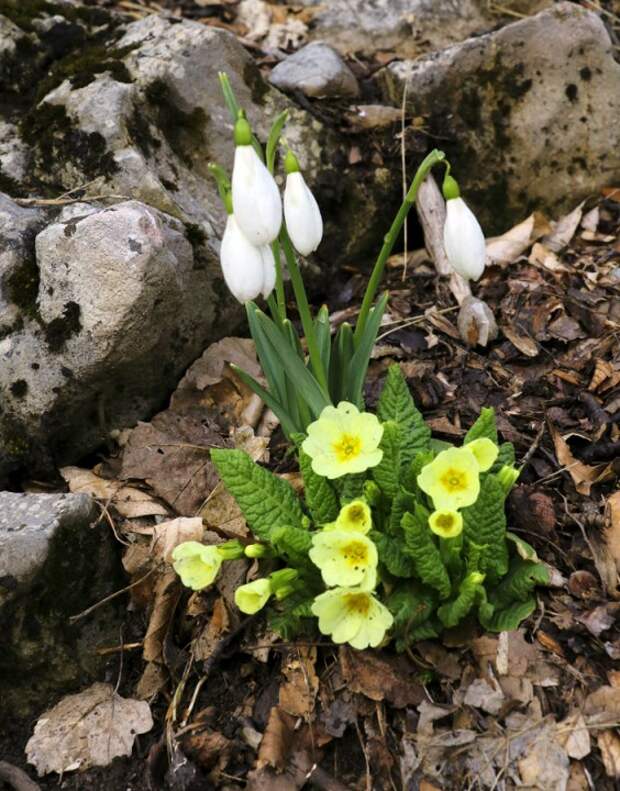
x=485, y=452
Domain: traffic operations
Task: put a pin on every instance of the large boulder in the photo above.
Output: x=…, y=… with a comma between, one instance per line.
x=407, y=28
x=56, y=560
x=528, y=115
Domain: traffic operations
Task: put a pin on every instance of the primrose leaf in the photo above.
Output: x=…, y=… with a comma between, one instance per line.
x=485, y=523
x=320, y=497
x=524, y=550
x=421, y=546
x=505, y=457
x=292, y=544
x=507, y=619
x=396, y=404
x=351, y=487
x=294, y=616
x=387, y=473
x=264, y=499
x=403, y=502
x=485, y=426
x=518, y=584
x=411, y=605
x=410, y=475
x=392, y=555
x=452, y=612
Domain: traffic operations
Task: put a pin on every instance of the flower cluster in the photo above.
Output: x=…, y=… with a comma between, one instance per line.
x=254, y=221
x=397, y=536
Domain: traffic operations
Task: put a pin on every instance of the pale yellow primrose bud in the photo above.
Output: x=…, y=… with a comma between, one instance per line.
x=485, y=452
x=452, y=479
x=354, y=516
x=196, y=564
x=345, y=557
x=343, y=441
x=253, y=596
x=352, y=615
x=445, y=523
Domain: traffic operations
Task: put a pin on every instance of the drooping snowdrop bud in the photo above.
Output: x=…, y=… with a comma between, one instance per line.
x=301, y=211
x=463, y=239
x=255, y=196
x=244, y=266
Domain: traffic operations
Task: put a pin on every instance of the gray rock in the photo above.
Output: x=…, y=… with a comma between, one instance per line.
x=316, y=70
x=408, y=28
x=28, y=525
x=111, y=327
x=55, y=561
x=525, y=124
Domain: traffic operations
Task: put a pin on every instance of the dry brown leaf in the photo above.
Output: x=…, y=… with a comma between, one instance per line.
x=583, y=475
x=564, y=230
x=609, y=745
x=381, y=677
x=277, y=740
x=209, y=638
x=612, y=530
x=88, y=729
x=574, y=736
x=546, y=764
x=299, y=691
x=211, y=749
x=222, y=512
x=606, y=701
x=505, y=249
x=167, y=594
x=485, y=695
x=153, y=679
x=128, y=501
x=523, y=343
x=603, y=370
x=168, y=535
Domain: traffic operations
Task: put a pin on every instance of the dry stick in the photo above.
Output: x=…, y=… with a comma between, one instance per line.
x=84, y=613
x=17, y=778
x=431, y=210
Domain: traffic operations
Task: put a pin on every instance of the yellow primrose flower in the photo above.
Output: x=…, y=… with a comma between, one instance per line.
x=253, y=596
x=452, y=479
x=446, y=523
x=343, y=441
x=485, y=452
x=345, y=557
x=197, y=565
x=354, y=516
x=352, y=615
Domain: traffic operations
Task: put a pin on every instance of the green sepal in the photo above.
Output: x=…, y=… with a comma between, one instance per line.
x=319, y=494
x=452, y=612
x=391, y=554
x=422, y=548
x=387, y=473
x=485, y=426
x=396, y=404
x=485, y=523
x=264, y=499
x=292, y=544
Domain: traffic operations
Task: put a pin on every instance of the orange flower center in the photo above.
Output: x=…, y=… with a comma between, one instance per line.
x=347, y=447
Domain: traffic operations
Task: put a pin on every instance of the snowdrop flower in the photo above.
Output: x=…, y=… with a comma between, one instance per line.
x=463, y=239
x=248, y=270
x=301, y=211
x=255, y=197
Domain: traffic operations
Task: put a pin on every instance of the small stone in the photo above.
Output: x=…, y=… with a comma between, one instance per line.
x=316, y=70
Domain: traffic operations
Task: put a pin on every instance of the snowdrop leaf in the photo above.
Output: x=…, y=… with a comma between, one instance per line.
x=358, y=365
x=342, y=353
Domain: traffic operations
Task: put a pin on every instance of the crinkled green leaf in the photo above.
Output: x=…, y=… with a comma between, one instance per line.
x=518, y=584
x=410, y=604
x=320, y=496
x=452, y=612
x=524, y=550
x=485, y=524
x=507, y=619
x=387, y=473
x=410, y=473
x=351, y=487
x=403, y=502
x=485, y=426
x=391, y=554
x=264, y=499
x=422, y=548
x=506, y=456
x=396, y=404
x=293, y=616
x=292, y=544
x=473, y=555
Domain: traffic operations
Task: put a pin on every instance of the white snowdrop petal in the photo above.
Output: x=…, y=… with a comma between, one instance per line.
x=463, y=240
x=269, y=271
x=256, y=200
x=302, y=214
x=242, y=263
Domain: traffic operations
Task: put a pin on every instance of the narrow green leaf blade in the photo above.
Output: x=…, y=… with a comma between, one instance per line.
x=359, y=362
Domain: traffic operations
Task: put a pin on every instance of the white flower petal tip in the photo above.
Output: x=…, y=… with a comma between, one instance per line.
x=243, y=264
x=302, y=214
x=463, y=240
x=256, y=200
